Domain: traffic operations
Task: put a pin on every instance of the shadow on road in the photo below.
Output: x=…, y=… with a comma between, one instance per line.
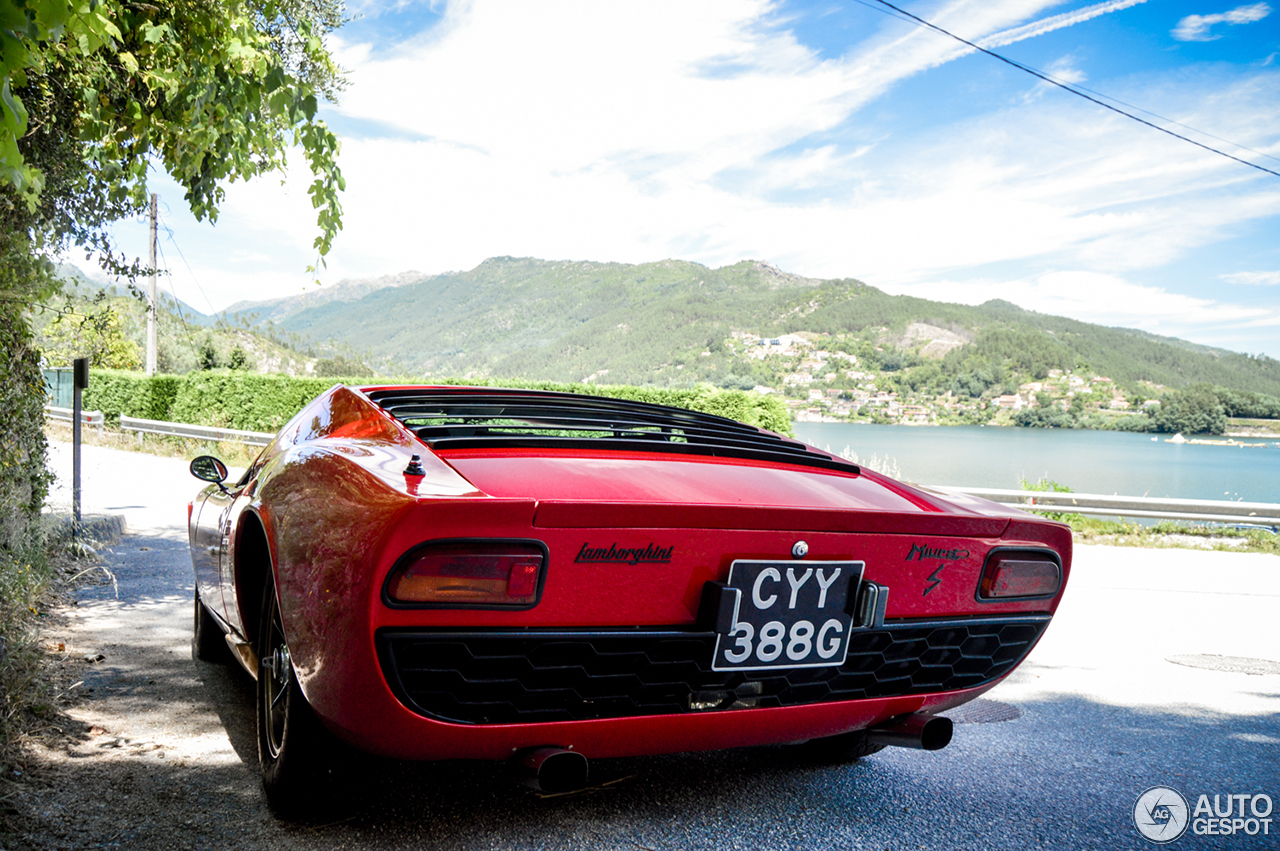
x=1066, y=774
x=173, y=764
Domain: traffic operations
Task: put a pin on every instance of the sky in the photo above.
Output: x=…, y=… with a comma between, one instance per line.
x=832, y=139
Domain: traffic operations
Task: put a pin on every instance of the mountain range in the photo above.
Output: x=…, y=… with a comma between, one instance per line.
x=673, y=322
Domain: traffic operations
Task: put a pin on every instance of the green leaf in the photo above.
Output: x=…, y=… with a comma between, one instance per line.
x=14, y=113
x=274, y=79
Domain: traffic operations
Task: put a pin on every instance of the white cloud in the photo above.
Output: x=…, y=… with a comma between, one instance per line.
x=1107, y=299
x=608, y=131
x=1047, y=25
x=705, y=132
x=1197, y=27
x=574, y=85
x=1063, y=70
x=1254, y=279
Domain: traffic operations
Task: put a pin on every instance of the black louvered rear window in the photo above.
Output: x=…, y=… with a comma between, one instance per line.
x=471, y=418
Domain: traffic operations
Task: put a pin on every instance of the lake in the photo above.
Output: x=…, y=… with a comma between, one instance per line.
x=1099, y=462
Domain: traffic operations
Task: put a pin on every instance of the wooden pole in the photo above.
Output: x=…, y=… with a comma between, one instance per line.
x=151, y=296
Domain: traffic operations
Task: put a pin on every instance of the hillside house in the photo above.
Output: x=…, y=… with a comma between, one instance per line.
x=915, y=413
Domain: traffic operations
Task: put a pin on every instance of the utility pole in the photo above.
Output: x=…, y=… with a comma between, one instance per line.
x=151, y=296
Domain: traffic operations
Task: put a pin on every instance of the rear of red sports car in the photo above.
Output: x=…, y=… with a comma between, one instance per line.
x=442, y=573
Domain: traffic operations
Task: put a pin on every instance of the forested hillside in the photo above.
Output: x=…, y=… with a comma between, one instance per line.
x=107, y=324
x=675, y=322
x=834, y=349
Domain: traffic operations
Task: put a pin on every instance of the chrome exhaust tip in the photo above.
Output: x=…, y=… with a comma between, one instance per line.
x=552, y=770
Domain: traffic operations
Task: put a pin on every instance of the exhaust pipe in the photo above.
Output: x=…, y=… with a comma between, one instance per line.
x=552, y=770
x=921, y=731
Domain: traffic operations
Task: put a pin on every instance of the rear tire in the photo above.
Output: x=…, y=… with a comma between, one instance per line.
x=294, y=749
x=207, y=638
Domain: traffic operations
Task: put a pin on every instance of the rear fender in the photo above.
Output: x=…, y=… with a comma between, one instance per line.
x=253, y=562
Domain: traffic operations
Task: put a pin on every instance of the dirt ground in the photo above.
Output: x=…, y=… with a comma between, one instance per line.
x=137, y=757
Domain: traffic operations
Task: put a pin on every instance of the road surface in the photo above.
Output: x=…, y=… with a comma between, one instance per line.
x=163, y=755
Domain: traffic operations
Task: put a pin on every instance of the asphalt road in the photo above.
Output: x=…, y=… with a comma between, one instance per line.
x=1102, y=717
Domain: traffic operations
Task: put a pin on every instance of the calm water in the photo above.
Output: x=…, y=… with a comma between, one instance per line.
x=1101, y=462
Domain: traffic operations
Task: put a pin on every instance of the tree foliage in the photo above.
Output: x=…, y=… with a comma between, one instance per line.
x=23, y=481
x=265, y=402
x=1195, y=410
x=94, y=93
x=98, y=335
x=651, y=323
x=208, y=355
x=239, y=358
x=1239, y=403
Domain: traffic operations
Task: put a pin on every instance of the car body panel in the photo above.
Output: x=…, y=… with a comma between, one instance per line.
x=328, y=508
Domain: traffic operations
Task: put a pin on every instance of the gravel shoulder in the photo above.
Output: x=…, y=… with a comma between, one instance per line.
x=156, y=751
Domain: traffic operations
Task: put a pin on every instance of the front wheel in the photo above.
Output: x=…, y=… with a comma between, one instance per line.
x=293, y=745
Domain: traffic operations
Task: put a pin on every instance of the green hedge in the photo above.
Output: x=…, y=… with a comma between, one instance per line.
x=245, y=400
x=745, y=406
x=256, y=402
x=131, y=394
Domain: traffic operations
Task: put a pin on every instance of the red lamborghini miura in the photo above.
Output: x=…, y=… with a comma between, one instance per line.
x=454, y=572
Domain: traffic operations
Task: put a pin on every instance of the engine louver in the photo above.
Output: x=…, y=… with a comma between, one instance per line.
x=469, y=418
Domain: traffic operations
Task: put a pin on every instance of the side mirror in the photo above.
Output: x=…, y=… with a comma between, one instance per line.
x=209, y=469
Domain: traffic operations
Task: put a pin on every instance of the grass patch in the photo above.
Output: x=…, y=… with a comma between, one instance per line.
x=1173, y=534
x=1244, y=427
x=36, y=683
x=1182, y=534
x=26, y=579
x=1045, y=485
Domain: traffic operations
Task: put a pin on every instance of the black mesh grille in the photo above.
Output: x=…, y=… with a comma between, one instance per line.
x=468, y=418
x=528, y=676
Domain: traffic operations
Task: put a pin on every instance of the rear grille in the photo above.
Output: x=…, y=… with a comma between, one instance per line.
x=470, y=418
x=530, y=676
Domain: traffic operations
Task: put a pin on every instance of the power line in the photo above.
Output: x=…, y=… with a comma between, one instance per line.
x=186, y=329
x=168, y=230
x=1077, y=92
x=1178, y=123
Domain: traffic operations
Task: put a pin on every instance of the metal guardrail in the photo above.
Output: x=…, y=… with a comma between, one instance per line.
x=230, y=435
x=1209, y=510
x=92, y=418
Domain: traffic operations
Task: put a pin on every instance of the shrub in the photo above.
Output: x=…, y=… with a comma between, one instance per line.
x=131, y=394
x=256, y=402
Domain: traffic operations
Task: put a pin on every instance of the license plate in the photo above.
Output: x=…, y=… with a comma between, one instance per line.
x=785, y=614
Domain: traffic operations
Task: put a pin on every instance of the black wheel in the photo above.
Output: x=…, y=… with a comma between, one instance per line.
x=207, y=642
x=846, y=747
x=294, y=749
